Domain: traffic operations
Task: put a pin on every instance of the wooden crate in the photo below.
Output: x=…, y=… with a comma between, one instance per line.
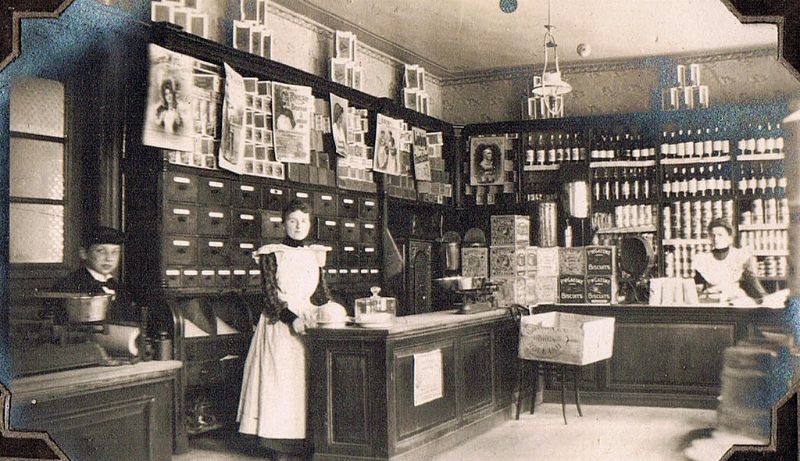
x=566, y=338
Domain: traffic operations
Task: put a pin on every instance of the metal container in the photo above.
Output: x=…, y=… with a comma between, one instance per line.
x=80, y=307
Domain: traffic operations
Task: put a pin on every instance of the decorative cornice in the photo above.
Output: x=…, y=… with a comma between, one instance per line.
x=525, y=72
x=318, y=28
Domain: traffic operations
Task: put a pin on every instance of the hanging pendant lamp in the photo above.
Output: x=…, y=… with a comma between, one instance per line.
x=551, y=87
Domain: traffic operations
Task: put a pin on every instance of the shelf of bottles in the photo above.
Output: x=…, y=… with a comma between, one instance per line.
x=762, y=206
x=547, y=151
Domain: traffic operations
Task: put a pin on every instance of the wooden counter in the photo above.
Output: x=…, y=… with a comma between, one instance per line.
x=361, y=396
x=665, y=355
x=127, y=412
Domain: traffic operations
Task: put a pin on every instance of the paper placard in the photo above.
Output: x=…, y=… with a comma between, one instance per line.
x=428, y=377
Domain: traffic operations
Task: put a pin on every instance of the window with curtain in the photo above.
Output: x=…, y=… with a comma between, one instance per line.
x=37, y=173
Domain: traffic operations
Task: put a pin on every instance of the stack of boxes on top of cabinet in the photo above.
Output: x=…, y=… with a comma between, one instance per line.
x=532, y=275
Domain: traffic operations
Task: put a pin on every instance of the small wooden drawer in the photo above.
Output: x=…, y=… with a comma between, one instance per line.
x=246, y=224
x=369, y=232
x=274, y=198
x=368, y=256
x=213, y=252
x=303, y=195
x=180, y=250
x=272, y=225
x=348, y=256
x=181, y=187
x=180, y=218
x=246, y=195
x=190, y=278
x=223, y=278
x=239, y=278
x=214, y=221
x=351, y=231
x=172, y=277
x=254, y=277
x=208, y=278
x=242, y=254
x=368, y=208
x=324, y=204
x=327, y=229
x=214, y=191
x=348, y=206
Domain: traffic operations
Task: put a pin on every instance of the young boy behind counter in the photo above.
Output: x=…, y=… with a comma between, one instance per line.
x=100, y=253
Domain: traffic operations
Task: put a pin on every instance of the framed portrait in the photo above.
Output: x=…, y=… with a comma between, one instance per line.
x=266, y=43
x=261, y=11
x=339, y=70
x=421, y=78
x=180, y=17
x=198, y=24
x=241, y=35
x=350, y=68
x=160, y=12
x=357, y=77
x=486, y=161
x=410, y=98
x=255, y=40
x=248, y=10
x=345, y=45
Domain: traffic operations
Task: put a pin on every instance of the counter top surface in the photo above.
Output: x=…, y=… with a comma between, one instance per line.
x=81, y=379
x=418, y=323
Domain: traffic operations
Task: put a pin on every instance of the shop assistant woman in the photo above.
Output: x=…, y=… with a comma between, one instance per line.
x=273, y=397
x=727, y=271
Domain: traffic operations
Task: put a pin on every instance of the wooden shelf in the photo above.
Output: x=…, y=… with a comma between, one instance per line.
x=627, y=230
x=670, y=242
x=623, y=164
x=764, y=226
x=760, y=157
x=770, y=252
x=693, y=160
x=553, y=167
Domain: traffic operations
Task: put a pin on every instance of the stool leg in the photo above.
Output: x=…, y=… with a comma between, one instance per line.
x=575, y=374
x=520, y=369
x=563, y=391
x=535, y=386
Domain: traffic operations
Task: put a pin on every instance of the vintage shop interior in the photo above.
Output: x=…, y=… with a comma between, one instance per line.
x=536, y=227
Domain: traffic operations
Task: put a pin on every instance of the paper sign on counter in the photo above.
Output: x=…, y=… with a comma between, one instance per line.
x=428, y=377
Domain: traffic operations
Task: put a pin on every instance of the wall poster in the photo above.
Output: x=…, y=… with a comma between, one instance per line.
x=387, y=147
x=422, y=165
x=339, y=116
x=291, y=109
x=168, y=117
x=486, y=161
x=232, y=145
x=428, y=377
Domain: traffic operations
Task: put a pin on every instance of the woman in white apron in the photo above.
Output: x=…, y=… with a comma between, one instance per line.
x=272, y=404
x=731, y=273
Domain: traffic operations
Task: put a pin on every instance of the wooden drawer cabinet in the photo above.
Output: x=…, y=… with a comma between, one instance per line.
x=214, y=191
x=214, y=221
x=181, y=187
x=180, y=218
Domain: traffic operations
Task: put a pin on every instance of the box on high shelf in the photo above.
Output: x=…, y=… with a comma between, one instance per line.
x=571, y=261
x=511, y=230
x=600, y=260
x=530, y=261
x=475, y=262
x=571, y=289
x=601, y=289
x=566, y=338
x=503, y=261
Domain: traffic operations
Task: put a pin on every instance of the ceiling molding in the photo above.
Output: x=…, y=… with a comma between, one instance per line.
x=306, y=21
x=525, y=72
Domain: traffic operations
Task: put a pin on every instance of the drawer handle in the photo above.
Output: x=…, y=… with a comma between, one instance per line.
x=181, y=219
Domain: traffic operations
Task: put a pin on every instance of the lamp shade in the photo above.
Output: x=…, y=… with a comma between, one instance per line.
x=552, y=85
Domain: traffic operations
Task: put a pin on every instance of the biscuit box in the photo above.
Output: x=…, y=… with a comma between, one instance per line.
x=511, y=291
x=530, y=261
x=566, y=338
x=571, y=261
x=571, y=289
x=475, y=262
x=502, y=262
x=600, y=260
x=520, y=262
x=546, y=290
x=510, y=230
x=547, y=262
x=600, y=289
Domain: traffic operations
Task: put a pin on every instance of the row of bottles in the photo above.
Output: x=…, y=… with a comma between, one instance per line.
x=760, y=178
x=623, y=183
x=625, y=216
x=766, y=211
x=694, y=144
x=679, y=262
x=696, y=181
x=772, y=266
x=689, y=219
x=554, y=148
x=766, y=139
x=609, y=147
x=765, y=240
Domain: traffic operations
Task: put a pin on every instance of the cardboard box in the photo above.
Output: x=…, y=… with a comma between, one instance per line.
x=511, y=230
x=572, y=261
x=546, y=290
x=571, y=289
x=600, y=260
x=502, y=261
x=601, y=289
x=475, y=262
x=566, y=338
x=531, y=298
x=511, y=291
x=520, y=262
x=547, y=262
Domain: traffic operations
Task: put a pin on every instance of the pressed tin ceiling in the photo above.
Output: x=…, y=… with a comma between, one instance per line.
x=460, y=37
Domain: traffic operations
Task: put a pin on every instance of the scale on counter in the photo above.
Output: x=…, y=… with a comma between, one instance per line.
x=470, y=295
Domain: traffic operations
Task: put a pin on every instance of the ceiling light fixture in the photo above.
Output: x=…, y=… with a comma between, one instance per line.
x=550, y=87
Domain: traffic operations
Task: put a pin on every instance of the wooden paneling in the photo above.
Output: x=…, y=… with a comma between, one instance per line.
x=349, y=398
x=476, y=371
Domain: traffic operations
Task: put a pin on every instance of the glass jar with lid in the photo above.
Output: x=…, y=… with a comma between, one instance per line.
x=375, y=311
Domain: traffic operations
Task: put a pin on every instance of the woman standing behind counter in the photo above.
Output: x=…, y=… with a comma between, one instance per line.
x=273, y=397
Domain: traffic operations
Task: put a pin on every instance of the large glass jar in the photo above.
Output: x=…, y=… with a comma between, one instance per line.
x=375, y=311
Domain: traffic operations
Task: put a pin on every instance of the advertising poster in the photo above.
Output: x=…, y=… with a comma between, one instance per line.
x=168, y=122
x=422, y=165
x=339, y=123
x=387, y=147
x=291, y=109
x=232, y=145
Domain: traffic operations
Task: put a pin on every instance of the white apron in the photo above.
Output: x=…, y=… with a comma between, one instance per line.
x=273, y=397
x=724, y=276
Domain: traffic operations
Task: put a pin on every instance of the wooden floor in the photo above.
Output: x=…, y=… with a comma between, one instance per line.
x=604, y=433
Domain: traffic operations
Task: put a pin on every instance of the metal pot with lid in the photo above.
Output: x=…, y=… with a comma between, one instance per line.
x=81, y=307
